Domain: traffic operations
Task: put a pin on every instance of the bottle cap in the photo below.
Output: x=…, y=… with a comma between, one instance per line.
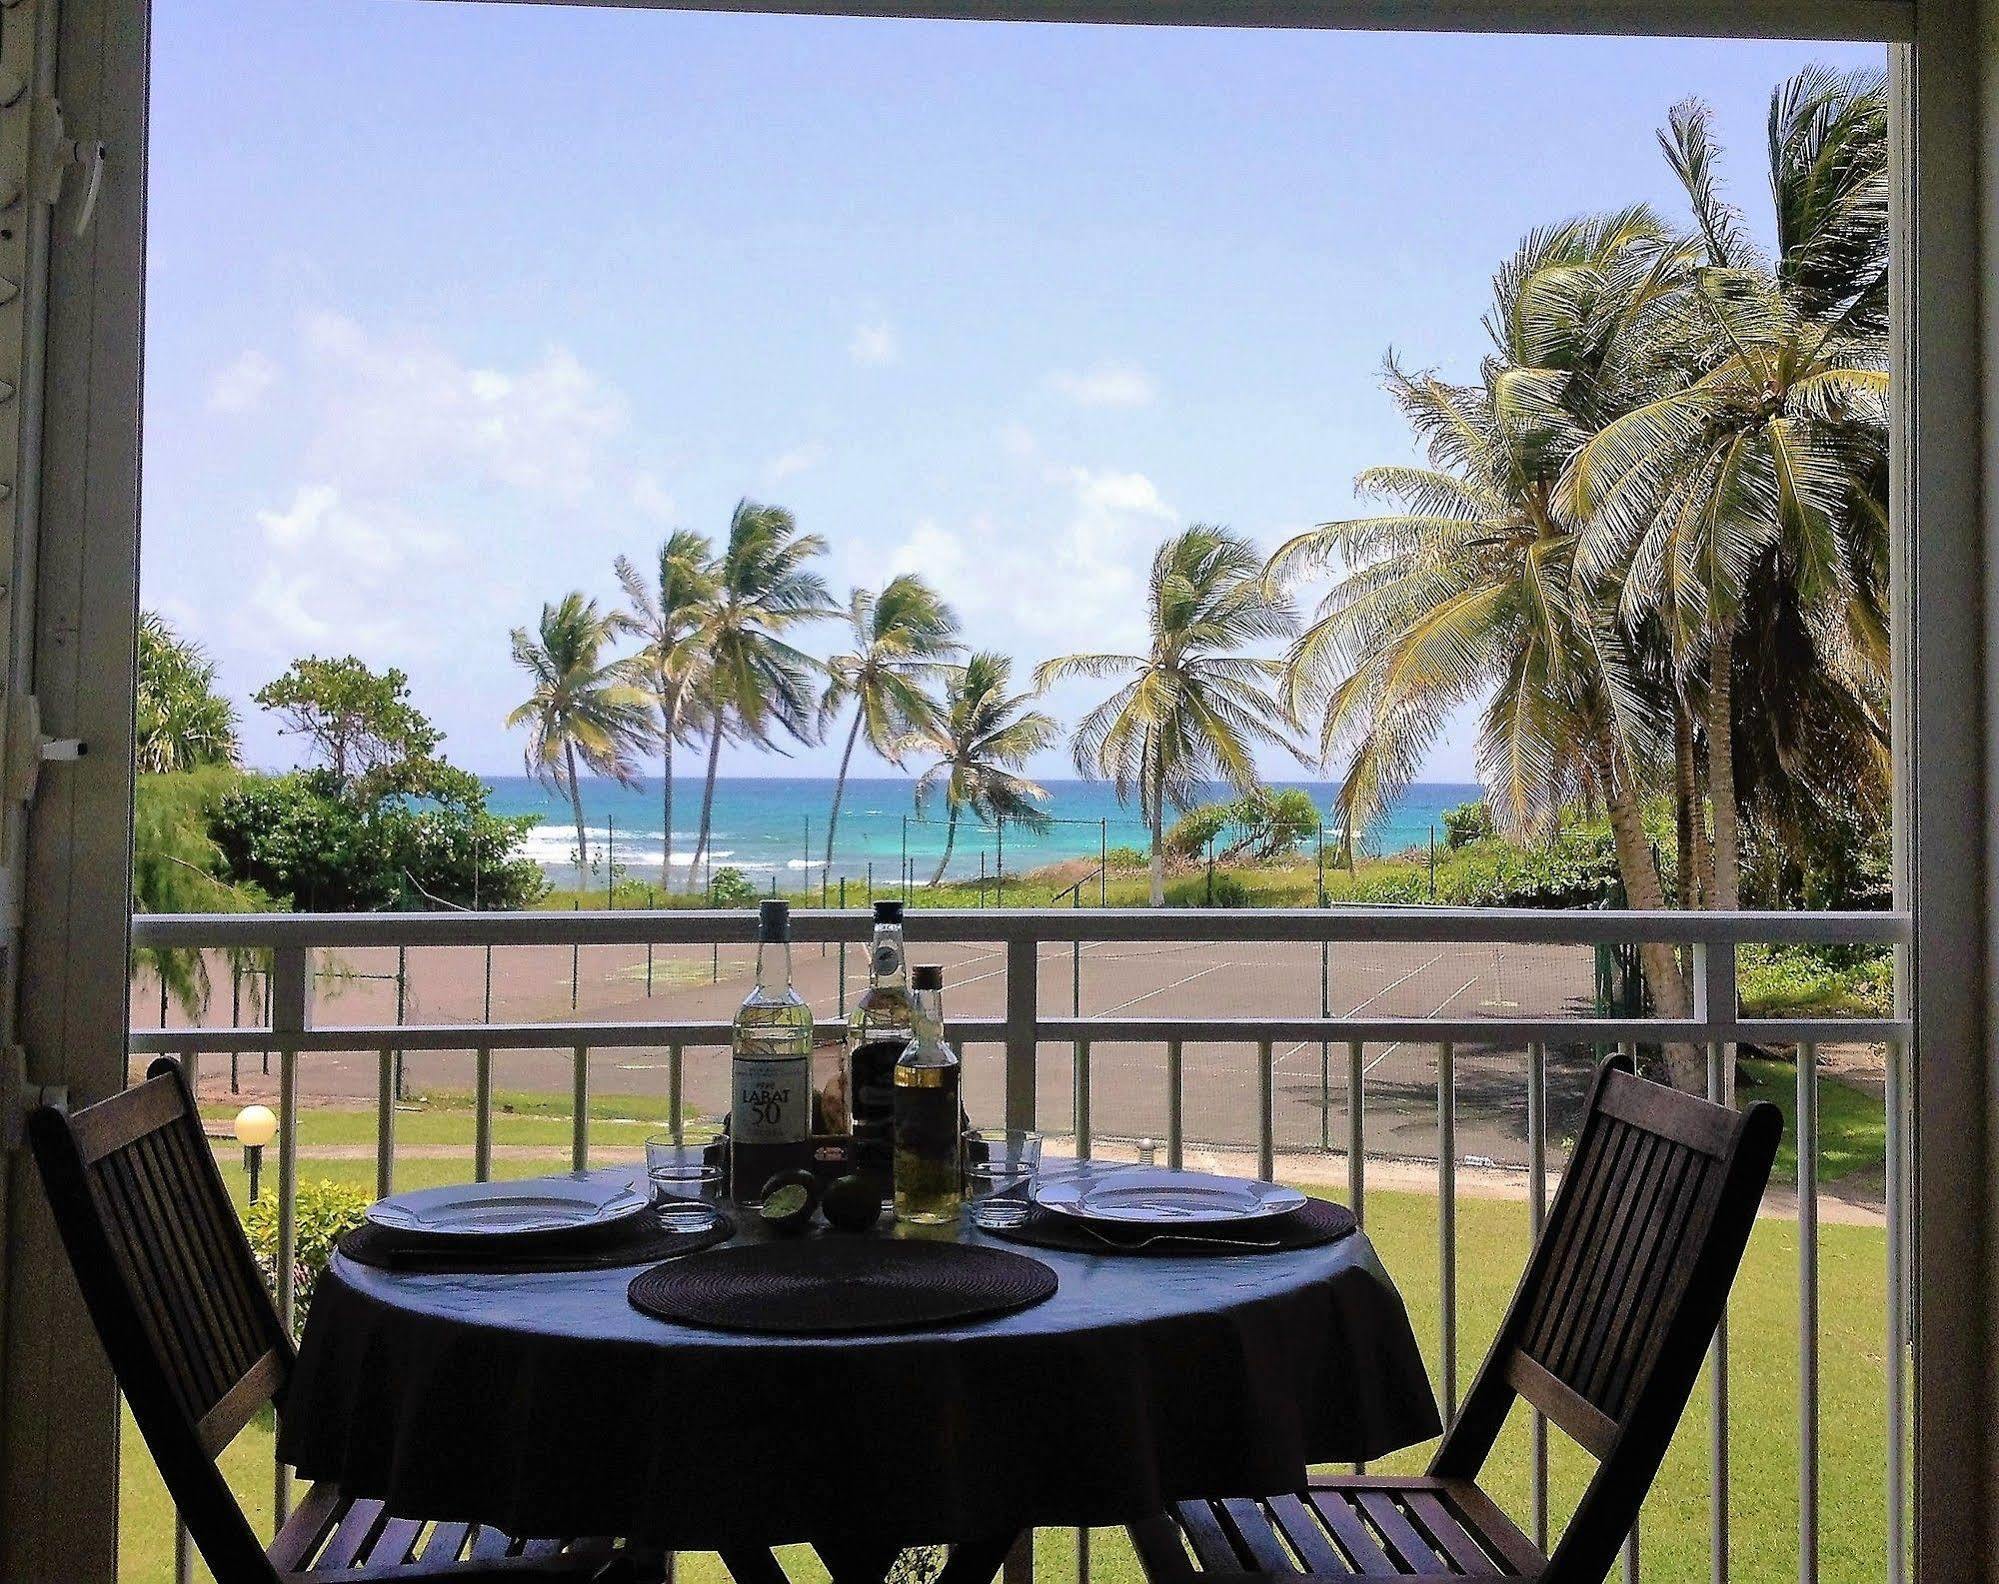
x=773, y=920
x=927, y=976
x=888, y=912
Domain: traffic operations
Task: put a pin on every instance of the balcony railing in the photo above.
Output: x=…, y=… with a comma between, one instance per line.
x=1027, y=1028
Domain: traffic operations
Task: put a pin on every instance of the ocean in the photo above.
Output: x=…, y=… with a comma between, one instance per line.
x=777, y=825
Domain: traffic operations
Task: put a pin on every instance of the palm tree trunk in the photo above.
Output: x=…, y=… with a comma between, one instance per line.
x=1158, y=864
x=666, y=812
x=707, y=805
x=1686, y=805
x=950, y=841
x=576, y=807
x=1657, y=960
x=1727, y=893
x=839, y=788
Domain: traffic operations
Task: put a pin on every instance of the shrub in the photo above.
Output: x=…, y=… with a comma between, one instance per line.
x=733, y=888
x=1229, y=891
x=1578, y=870
x=1126, y=858
x=1388, y=890
x=1192, y=831
x=1466, y=824
x=326, y=1211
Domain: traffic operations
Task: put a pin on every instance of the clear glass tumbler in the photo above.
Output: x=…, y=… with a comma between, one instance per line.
x=686, y=1184
x=1000, y=1164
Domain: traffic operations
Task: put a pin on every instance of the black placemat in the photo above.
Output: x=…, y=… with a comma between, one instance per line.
x=639, y=1242
x=1317, y=1221
x=840, y=1284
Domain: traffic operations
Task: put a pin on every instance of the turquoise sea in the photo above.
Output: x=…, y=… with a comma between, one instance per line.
x=777, y=825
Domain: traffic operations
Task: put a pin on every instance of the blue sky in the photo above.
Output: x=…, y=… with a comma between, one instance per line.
x=450, y=304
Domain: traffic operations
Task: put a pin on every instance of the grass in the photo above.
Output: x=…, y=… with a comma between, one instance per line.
x=1853, y=1124
x=445, y=1117
x=1492, y=1245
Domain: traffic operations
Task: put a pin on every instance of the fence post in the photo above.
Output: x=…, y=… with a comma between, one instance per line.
x=291, y=1013
x=1022, y=987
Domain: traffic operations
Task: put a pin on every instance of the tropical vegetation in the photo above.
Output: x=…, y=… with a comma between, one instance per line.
x=1644, y=543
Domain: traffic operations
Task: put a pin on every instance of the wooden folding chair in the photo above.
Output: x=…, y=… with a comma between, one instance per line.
x=1605, y=1336
x=174, y=1291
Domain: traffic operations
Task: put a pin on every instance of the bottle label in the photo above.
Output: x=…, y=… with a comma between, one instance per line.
x=773, y=1100
x=888, y=960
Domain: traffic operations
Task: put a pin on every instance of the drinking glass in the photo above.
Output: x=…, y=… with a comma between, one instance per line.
x=686, y=1184
x=1000, y=1163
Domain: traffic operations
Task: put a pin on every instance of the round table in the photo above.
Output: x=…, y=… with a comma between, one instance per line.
x=546, y=1404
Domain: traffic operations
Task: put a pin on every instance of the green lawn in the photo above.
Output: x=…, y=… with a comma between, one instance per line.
x=1492, y=1244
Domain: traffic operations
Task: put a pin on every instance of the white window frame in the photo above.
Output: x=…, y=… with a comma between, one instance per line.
x=68, y=605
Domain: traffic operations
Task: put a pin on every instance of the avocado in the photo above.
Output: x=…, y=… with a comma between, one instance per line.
x=853, y=1203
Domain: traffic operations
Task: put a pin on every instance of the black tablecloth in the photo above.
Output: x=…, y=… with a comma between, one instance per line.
x=547, y=1404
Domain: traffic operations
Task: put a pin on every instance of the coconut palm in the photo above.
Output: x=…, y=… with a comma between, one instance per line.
x=584, y=706
x=1745, y=474
x=982, y=735
x=901, y=638
x=182, y=722
x=756, y=685
x=1462, y=589
x=1193, y=708
x=665, y=611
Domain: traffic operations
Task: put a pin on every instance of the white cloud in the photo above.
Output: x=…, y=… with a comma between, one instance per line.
x=398, y=410
x=242, y=383
x=1079, y=582
x=1106, y=385
x=797, y=460
x=874, y=344
x=650, y=497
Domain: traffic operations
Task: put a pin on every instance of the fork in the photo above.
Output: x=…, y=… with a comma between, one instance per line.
x=1178, y=1237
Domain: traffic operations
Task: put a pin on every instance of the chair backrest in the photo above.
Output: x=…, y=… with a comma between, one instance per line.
x=173, y=1289
x=1622, y=1295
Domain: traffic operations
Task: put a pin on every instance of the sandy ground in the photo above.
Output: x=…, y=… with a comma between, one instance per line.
x=1128, y=1083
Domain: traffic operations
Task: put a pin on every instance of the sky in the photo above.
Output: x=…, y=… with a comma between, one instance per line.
x=448, y=305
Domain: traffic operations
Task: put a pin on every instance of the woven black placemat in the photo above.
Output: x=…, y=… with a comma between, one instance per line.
x=839, y=1284
x=640, y=1242
x=1318, y=1221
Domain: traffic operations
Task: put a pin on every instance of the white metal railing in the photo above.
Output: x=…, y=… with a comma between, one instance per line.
x=1710, y=943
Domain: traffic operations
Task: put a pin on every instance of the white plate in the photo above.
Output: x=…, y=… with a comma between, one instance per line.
x=498, y=1209
x=1149, y=1196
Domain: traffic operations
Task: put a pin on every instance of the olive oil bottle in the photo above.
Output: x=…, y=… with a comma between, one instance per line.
x=929, y=1186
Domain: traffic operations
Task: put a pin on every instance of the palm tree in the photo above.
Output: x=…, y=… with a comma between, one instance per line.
x=1193, y=708
x=584, y=705
x=756, y=684
x=982, y=736
x=666, y=611
x=1462, y=590
x=183, y=723
x=902, y=637
x=1741, y=475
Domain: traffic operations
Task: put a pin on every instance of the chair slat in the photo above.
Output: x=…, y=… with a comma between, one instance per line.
x=446, y=1542
x=490, y=1544
x=350, y=1537
x=299, y=1539
x=1306, y=1535
x=1355, y=1538
x=394, y=1544
x=1254, y=1535
x=1615, y=1271
x=1606, y=1249
x=1447, y=1536
x=1709, y=1129
x=1656, y=1243
x=1204, y=1533
x=1409, y=1547
x=1500, y=1534
x=1575, y=1229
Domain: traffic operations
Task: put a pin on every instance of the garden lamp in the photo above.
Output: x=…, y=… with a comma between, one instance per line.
x=255, y=1126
